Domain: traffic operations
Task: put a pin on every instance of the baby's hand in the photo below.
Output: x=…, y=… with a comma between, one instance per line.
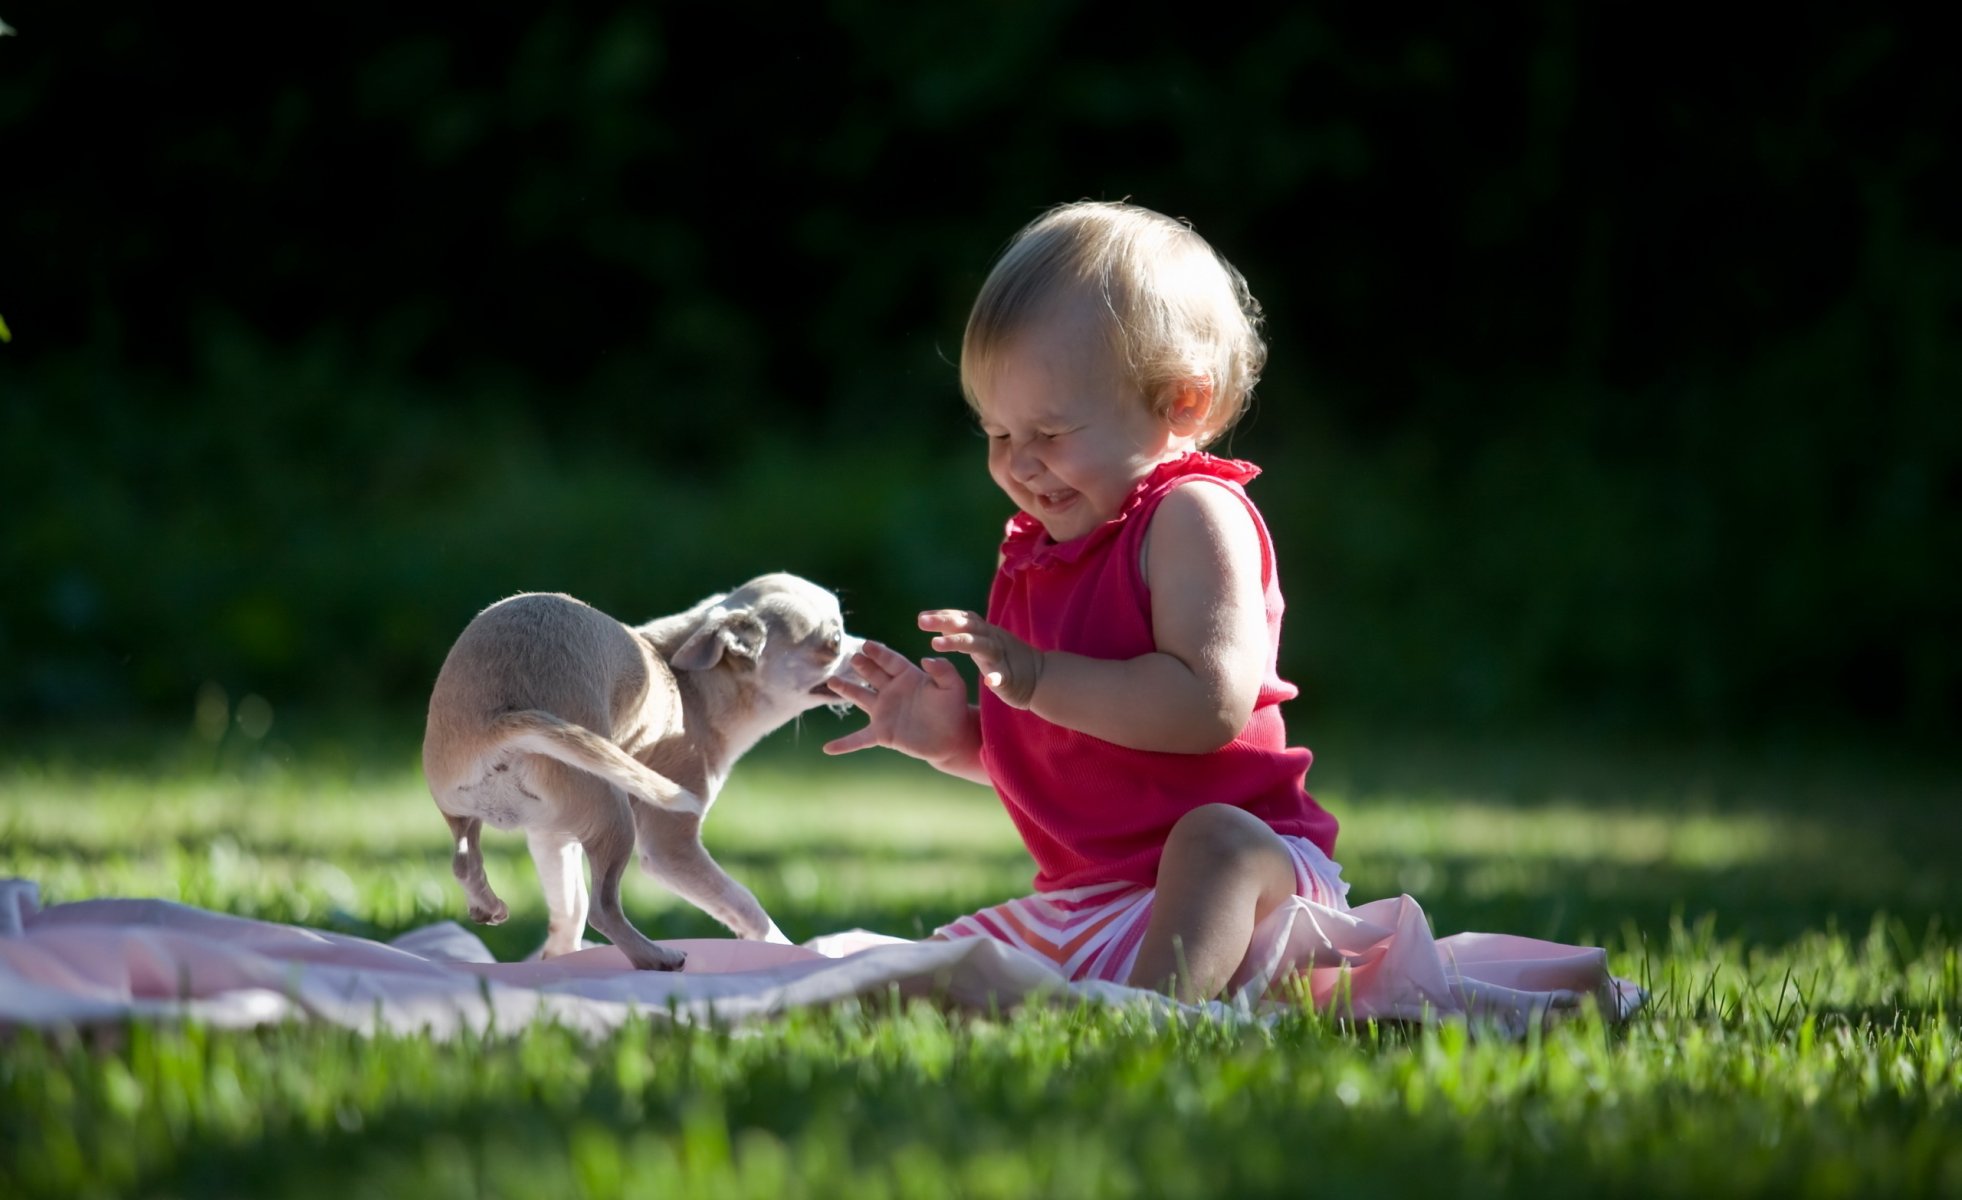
x=921, y=711
x=1009, y=666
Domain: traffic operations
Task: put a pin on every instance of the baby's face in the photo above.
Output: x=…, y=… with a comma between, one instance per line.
x=1068, y=435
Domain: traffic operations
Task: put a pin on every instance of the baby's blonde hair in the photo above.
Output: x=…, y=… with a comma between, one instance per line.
x=1178, y=311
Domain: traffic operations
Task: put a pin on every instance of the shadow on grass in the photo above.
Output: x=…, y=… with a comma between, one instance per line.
x=839, y=1119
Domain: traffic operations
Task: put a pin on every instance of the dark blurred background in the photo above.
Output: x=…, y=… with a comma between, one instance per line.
x=1615, y=352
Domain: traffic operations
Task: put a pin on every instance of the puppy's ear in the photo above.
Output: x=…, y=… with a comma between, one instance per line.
x=732, y=632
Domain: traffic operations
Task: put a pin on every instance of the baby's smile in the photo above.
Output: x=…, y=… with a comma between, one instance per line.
x=1070, y=433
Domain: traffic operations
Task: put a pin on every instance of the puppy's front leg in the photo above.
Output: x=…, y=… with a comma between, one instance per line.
x=671, y=851
x=467, y=864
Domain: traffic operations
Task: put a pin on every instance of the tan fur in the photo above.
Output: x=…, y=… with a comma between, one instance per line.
x=594, y=737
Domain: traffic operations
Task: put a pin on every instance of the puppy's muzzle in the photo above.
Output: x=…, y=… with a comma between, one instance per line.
x=841, y=669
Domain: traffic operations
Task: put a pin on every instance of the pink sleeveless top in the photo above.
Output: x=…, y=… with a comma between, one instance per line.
x=1090, y=811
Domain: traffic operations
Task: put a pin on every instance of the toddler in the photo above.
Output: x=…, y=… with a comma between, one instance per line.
x=1129, y=716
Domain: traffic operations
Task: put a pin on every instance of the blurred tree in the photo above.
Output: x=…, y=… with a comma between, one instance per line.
x=1615, y=361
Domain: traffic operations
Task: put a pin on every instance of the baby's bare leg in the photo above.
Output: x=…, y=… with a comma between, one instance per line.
x=1224, y=870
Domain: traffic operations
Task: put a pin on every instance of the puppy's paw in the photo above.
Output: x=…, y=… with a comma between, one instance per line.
x=657, y=958
x=494, y=914
x=555, y=946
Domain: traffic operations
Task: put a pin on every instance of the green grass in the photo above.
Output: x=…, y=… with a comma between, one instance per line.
x=1793, y=911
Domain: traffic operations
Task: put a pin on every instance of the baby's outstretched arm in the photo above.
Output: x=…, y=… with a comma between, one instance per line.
x=917, y=710
x=1196, y=690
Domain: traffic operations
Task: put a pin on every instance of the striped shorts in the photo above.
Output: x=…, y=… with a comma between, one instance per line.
x=1093, y=932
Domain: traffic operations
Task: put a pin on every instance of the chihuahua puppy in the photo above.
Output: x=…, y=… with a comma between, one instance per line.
x=595, y=737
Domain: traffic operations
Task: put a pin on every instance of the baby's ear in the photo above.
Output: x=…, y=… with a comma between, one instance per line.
x=1191, y=404
x=734, y=632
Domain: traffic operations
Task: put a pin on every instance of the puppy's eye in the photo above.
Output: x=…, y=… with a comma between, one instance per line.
x=835, y=642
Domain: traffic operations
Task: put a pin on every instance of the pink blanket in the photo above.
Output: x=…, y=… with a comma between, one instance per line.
x=100, y=962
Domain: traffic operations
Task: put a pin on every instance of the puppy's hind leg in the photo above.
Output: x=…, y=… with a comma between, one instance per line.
x=467, y=863
x=609, y=842
x=561, y=874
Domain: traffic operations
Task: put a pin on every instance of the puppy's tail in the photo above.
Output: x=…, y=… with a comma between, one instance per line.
x=538, y=732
